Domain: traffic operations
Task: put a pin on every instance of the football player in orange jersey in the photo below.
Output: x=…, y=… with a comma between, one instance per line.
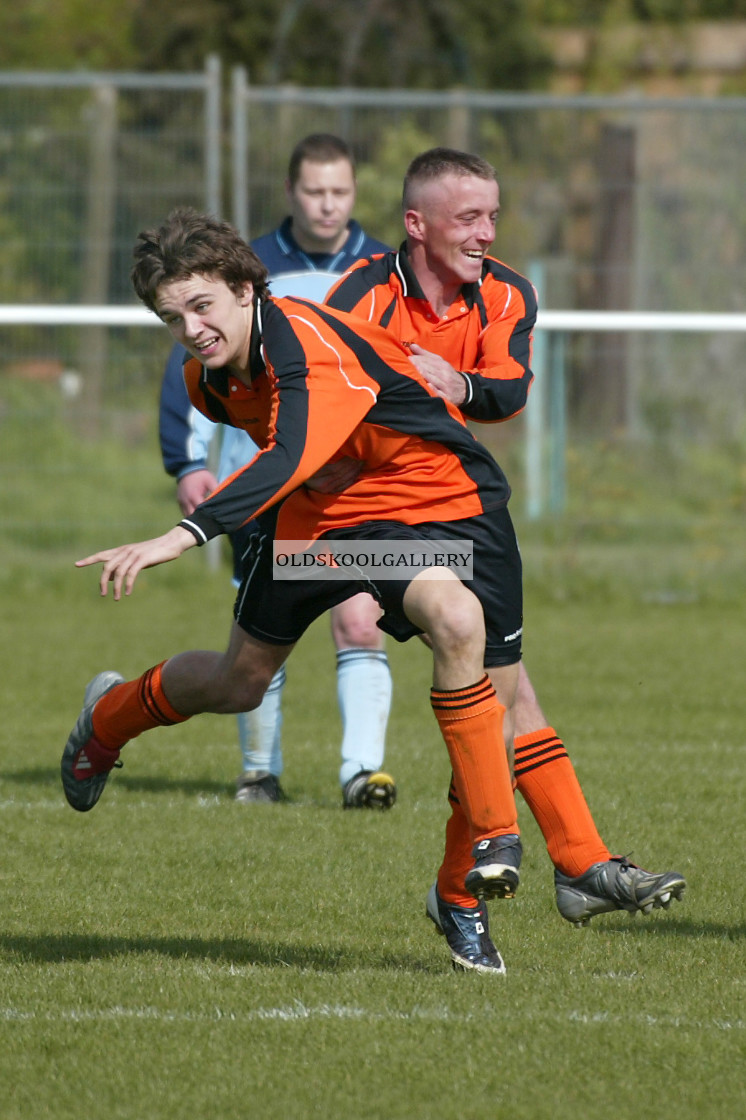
x=313, y=245
x=312, y=385
x=467, y=318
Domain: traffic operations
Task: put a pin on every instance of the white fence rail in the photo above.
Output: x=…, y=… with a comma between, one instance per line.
x=90, y=315
x=544, y=482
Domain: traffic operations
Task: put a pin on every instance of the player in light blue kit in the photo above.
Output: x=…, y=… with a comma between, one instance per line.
x=315, y=243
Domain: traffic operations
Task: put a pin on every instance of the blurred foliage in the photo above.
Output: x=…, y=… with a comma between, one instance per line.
x=412, y=44
x=68, y=35
x=380, y=183
x=691, y=228
x=595, y=12
x=424, y=44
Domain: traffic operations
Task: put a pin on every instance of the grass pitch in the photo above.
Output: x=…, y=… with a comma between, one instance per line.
x=172, y=954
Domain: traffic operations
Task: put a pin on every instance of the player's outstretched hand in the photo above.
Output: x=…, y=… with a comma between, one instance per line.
x=123, y=563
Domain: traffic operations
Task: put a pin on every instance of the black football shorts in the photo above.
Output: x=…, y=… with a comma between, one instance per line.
x=279, y=611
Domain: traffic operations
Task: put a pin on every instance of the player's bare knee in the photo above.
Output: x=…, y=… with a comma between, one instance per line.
x=456, y=623
x=354, y=624
x=361, y=634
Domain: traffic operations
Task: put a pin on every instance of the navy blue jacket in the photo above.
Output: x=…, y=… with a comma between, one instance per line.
x=280, y=252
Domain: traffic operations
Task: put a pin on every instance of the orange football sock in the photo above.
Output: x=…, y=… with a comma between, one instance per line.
x=471, y=722
x=547, y=781
x=457, y=859
x=131, y=708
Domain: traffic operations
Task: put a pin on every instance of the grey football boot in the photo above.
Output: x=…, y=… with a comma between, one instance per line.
x=615, y=884
x=86, y=765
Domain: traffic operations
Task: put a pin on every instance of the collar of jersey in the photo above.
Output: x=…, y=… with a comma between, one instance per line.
x=411, y=285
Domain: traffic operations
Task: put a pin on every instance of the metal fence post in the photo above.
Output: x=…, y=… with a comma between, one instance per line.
x=213, y=136
x=239, y=151
x=100, y=208
x=557, y=422
x=535, y=410
x=213, y=197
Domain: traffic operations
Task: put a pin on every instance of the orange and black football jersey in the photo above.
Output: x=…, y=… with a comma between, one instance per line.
x=323, y=386
x=486, y=334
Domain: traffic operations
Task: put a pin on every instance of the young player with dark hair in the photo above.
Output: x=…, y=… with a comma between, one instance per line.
x=311, y=385
x=316, y=242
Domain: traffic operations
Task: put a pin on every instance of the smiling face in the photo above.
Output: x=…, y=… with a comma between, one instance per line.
x=209, y=319
x=320, y=203
x=450, y=227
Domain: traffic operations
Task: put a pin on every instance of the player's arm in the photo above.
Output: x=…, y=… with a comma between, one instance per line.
x=315, y=411
x=497, y=385
x=185, y=436
x=295, y=455
x=492, y=390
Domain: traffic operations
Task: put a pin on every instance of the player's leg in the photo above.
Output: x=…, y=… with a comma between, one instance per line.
x=115, y=710
x=269, y=618
x=552, y=792
x=588, y=879
x=546, y=779
x=470, y=713
x=471, y=720
x=364, y=696
x=277, y=612
x=438, y=606
x=260, y=744
x=260, y=730
x=497, y=584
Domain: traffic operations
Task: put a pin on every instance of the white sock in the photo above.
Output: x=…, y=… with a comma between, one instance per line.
x=364, y=695
x=259, y=731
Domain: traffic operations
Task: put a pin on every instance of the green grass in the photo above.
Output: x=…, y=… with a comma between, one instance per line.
x=173, y=954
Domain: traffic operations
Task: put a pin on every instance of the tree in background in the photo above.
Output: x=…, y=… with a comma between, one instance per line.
x=68, y=35
x=425, y=44
x=415, y=44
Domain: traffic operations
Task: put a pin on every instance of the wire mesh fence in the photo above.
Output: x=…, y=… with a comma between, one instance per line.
x=607, y=203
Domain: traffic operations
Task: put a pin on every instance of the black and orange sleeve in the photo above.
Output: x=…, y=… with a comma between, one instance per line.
x=320, y=393
x=498, y=383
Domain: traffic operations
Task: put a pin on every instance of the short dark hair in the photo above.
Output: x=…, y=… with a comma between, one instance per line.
x=319, y=147
x=189, y=243
x=437, y=162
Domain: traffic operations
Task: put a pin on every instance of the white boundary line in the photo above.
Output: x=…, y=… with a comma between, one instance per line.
x=298, y=1012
